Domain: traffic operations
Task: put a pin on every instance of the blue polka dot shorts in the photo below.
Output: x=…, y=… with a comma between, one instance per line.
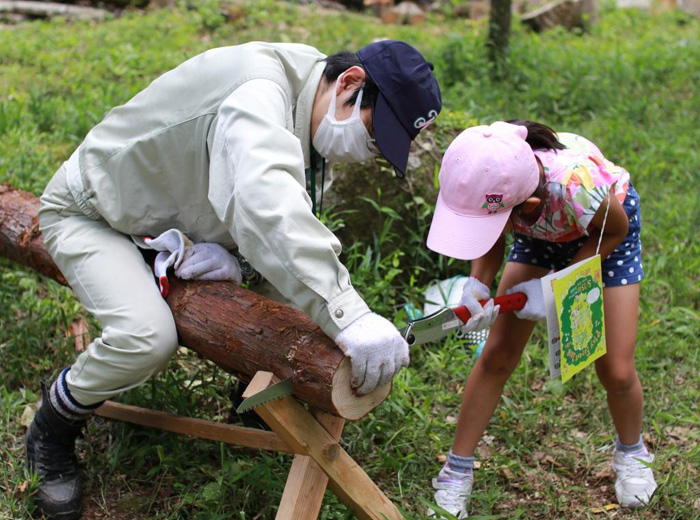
x=622, y=267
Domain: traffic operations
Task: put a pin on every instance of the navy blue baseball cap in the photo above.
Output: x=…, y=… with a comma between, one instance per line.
x=408, y=100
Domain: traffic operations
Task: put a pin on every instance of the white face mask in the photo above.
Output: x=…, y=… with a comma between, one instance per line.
x=343, y=141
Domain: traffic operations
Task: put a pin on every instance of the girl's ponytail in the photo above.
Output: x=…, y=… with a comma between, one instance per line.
x=539, y=136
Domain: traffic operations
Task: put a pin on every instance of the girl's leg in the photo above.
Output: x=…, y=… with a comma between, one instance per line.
x=634, y=479
x=499, y=358
x=501, y=354
x=616, y=369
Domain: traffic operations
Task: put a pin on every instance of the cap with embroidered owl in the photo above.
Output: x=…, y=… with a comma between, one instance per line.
x=485, y=172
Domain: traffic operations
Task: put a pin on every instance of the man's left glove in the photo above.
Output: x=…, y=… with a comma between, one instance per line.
x=210, y=262
x=376, y=350
x=534, y=308
x=171, y=246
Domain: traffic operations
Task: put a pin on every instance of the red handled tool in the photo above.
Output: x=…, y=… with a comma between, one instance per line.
x=441, y=323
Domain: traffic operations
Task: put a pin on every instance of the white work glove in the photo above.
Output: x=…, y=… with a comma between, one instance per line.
x=171, y=244
x=210, y=262
x=534, y=308
x=376, y=350
x=481, y=317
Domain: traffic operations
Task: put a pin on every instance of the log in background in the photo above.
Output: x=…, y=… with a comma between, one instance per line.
x=242, y=332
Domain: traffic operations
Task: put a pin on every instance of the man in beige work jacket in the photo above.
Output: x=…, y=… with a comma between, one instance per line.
x=211, y=158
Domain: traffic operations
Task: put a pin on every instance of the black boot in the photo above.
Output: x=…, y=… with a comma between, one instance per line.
x=50, y=445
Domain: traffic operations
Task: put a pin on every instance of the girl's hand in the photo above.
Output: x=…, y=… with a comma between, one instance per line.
x=534, y=308
x=481, y=317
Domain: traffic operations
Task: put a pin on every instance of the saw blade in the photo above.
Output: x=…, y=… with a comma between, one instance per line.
x=272, y=392
x=431, y=328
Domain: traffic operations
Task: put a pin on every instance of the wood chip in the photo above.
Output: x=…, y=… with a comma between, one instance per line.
x=605, y=509
x=27, y=416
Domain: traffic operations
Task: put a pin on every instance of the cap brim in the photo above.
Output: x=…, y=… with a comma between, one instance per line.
x=391, y=137
x=464, y=237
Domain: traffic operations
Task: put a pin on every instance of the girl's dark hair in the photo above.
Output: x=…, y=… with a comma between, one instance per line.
x=341, y=61
x=539, y=136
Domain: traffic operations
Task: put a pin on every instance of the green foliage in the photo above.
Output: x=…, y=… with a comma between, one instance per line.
x=210, y=13
x=630, y=85
x=27, y=299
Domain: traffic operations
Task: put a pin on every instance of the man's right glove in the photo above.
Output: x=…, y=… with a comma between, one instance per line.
x=534, y=308
x=481, y=317
x=376, y=350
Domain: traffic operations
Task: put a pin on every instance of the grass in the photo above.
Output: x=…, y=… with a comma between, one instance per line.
x=630, y=85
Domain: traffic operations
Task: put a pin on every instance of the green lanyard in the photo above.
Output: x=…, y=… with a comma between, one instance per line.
x=312, y=171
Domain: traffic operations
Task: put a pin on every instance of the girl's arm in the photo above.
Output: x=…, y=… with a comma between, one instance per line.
x=615, y=230
x=486, y=267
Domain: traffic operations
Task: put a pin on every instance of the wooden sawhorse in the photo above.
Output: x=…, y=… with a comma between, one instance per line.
x=319, y=461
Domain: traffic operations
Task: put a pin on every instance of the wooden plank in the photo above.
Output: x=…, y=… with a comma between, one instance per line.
x=200, y=428
x=300, y=430
x=304, y=490
x=306, y=483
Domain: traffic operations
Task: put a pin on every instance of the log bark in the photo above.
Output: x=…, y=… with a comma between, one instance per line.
x=20, y=238
x=499, y=37
x=240, y=331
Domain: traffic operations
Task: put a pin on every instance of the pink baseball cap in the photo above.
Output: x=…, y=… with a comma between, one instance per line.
x=486, y=172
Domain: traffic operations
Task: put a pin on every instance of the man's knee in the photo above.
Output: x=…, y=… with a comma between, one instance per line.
x=159, y=342
x=146, y=346
x=163, y=344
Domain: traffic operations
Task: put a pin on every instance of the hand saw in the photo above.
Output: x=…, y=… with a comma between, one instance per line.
x=272, y=392
x=441, y=323
x=430, y=328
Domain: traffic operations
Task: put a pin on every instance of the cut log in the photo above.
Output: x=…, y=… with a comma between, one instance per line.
x=240, y=331
x=405, y=13
x=569, y=14
x=49, y=9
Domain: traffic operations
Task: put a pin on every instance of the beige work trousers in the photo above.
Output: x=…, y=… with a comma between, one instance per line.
x=108, y=273
x=110, y=277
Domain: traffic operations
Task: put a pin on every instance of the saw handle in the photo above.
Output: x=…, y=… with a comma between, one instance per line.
x=508, y=302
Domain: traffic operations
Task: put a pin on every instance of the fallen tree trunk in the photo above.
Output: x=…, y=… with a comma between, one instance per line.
x=240, y=331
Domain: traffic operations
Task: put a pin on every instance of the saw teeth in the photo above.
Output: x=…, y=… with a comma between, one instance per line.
x=252, y=406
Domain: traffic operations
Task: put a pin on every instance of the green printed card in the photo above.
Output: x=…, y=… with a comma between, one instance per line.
x=575, y=317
